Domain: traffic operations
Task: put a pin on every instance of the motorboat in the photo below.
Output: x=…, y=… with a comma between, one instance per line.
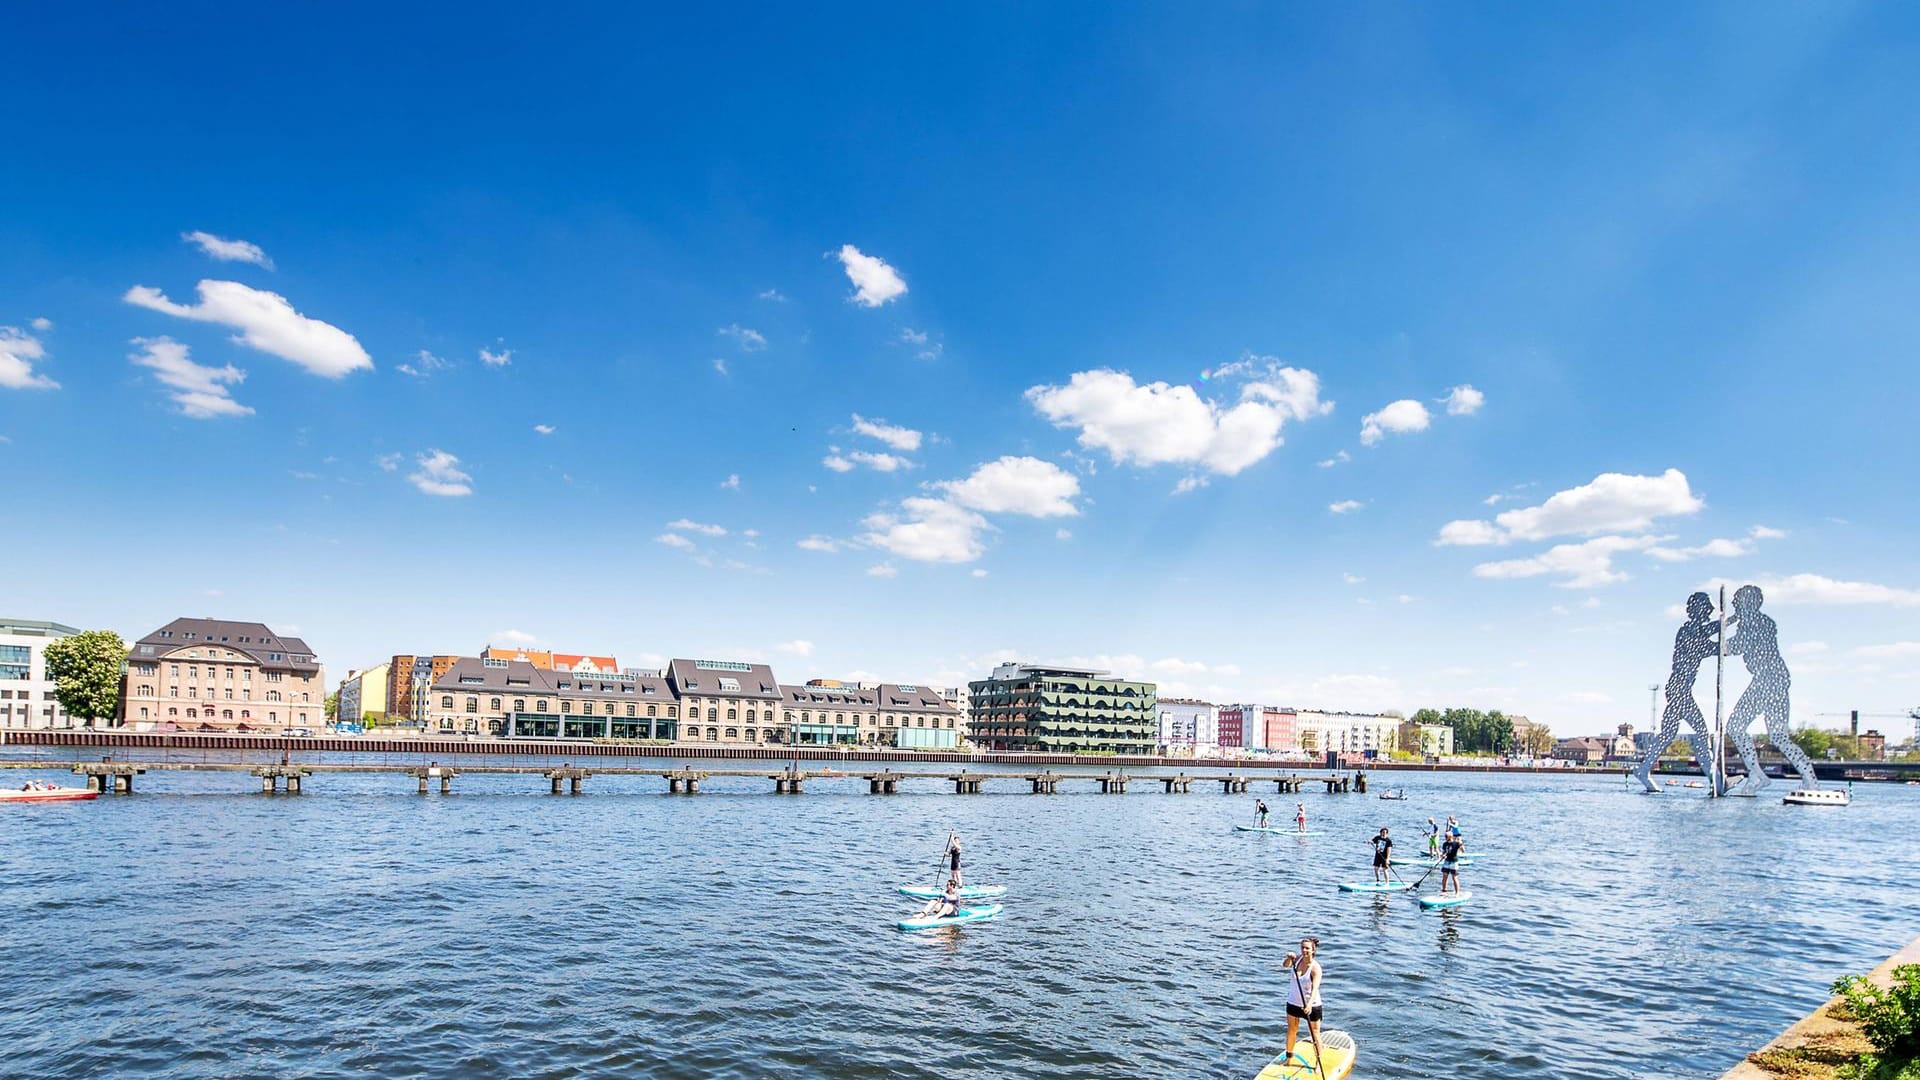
x=1817, y=797
x=1393, y=795
x=48, y=794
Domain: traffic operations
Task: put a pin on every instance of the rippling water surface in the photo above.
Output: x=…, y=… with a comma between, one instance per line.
x=202, y=929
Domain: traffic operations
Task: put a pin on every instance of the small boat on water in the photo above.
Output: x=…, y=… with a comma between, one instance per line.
x=48, y=793
x=1395, y=796
x=1817, y=797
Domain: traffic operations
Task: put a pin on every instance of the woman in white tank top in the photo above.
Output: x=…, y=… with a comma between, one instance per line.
x=1303, y=993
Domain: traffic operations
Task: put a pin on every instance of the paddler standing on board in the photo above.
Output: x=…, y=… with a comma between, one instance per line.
x=1382, y=855
x=1303, y=998
x=1300, y=817
x=953, y=856
x=1260, y=812
x=1450, y=861
x=1433, y=839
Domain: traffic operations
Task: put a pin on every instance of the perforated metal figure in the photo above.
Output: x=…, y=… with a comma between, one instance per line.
x=1757, y=641
x=1696, y=640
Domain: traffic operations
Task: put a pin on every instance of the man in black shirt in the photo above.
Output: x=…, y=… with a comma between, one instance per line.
x=1382, y=856
x=1449, y=859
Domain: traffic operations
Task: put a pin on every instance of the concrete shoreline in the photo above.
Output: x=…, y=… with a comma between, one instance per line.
x=374, y=744
x=1819, y=1031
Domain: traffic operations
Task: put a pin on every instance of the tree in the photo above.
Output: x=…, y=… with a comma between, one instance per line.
x=1539, y=741
x=1679, y=748
x=332, y=706
x=86, y=670
x=1813, y=741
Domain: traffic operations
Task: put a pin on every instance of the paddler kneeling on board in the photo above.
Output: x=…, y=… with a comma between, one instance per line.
x=1449, y=862
x=1303, y=996
x=1382, y=855
x=943, y=906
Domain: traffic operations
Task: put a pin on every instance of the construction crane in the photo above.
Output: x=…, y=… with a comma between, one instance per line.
x=1854, y=716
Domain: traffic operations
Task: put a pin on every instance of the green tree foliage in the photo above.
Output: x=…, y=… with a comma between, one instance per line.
x=1679, y=748
x=1889, y=1018
x=332, y=706
x=1814, y=741
x=1474, y=732
x=1539, y=741
x=86, y=669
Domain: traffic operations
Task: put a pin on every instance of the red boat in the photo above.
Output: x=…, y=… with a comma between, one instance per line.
x=48, y=794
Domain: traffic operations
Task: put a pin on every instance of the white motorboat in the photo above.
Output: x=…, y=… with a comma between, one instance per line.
x=1817, y=797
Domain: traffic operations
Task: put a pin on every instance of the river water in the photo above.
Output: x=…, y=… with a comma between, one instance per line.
x=202, y=929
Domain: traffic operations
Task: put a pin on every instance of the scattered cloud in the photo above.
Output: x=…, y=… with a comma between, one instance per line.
x=929, y=530
x=267, y=322
x=389, y=462
x=1157, y=423
x=1352, y=579
x=1762, y=532
x=675, y=540
x=1464, y=401
x=1063, y=534
x=819, y=543
x=1190, y=482
x=440, y=474
x=882, y=570
x=919, y=341
x=979, y=573
x=904, y=439
x=1345, y=506
x=1340, y=458
x=1017, y=485
x=774, y=295
x=201, y=392
x=227, y=250
x=1815, y=590
x=1612, y=502
x=1712, y=549
x=796, y=647
x=874, y=282
x=18, y=352
x=837, y=463
x=424, y=365
x=1583, y=565
x=1898, y=650
x=748, y=339
x=879, y=462
x=1405, y=599
x=1396, y=418
x=731, y=483
x=496, y=359
x=42, y=324
x=684, y=525
x=720, y=365
x=544, y=429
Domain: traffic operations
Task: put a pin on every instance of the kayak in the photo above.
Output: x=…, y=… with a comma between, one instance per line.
x=1277, y=832
x=62, y=794
x=965, y=915
x=1337, y=1051
x=967, y=892
x=1445, y=900
x=1375, y=886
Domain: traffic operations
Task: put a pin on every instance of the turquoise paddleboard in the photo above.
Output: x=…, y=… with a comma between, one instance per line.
x=1276, y=832
x=967, y=892
x=1445, y=900
x=1375, y=886
x=966, y=915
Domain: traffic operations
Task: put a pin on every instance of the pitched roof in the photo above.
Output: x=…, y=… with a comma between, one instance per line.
x=256, y=640
x=723, y=678
x=473, y=674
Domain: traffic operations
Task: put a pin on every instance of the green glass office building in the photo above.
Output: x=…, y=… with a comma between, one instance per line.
x=1042, y=707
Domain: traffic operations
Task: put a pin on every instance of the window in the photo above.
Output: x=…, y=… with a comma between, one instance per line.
x=732, y=714
x=733, y=733
x=540, y=706
x=629, y=710
x=566, y=706
x=651, y=709
x=586, y=708
x=494, y=704
x=446, y=700
x=671, y=710
x=473, y=704
x=713, y=733
x=519, y=704
x=712, y=713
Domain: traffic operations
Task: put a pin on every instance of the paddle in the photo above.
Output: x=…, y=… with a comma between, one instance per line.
x=1313, y=1033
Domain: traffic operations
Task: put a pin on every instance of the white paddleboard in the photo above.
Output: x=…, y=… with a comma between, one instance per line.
x=1375, y=886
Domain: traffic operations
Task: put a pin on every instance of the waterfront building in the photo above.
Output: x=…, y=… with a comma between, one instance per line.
x=1259, y=727
x=216, y=675
x=1048, y=707
x=1427, y=740
x=725, y=700
x=1873, y=746
x=828, y=711
x=1582, y=751
x=410, y=679
x=1347, y=733
x=1523, y=730
x=1187, y=726
x=553, y=661
x=496, y=698
x=26, y=694
x=363, y=695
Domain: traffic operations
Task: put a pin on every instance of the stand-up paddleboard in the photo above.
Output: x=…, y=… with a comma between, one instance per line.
x=1274, y=831
x=1306, y=1064
x=967, y=892
x=1446, y=900
x=965, y=915
x=1375, y=886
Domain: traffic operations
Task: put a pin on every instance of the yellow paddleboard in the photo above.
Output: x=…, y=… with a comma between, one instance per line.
x=1338, y=1047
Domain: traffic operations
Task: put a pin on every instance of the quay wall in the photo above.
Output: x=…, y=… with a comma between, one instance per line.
x=1818, y=1030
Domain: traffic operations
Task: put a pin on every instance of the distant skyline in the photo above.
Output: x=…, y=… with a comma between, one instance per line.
x=1371, y=359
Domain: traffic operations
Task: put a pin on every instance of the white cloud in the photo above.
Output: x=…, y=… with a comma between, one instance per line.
x=796, y=647
x=731, y=483
x=1712, y=549
x=1581, y=566
x=426, y=364
x=979, y=573
x=42, y=324
x=1190, y=482
x=1813, y=589
x=1762, y=532
x=685, y=525
x=1063, y=534
x=1612, y=502
x=1017, y=485
x=544, y=429
x=674, y=540
x=1464, y=401
x=1396, y=418
x=1405, y=599
x=1898, y=650
x=228, y=250
x=515, y=637
x=1345, y=506
x=750, y=533
x=496, y=359
x=749, y=340
x=819, y=543
x=882, y=570
x=879, y=462
x=1156, y=423
x=720, y=365
x=389, y=462
x=1338, y=459
x=773, y=294
x=1352, y=579
x=904, y=439
x=837, y=463
x=440, y=474
x=924, y=349
x=203, y=393
x=266, y=322
x=18, y=351
x=874, y=282
x=929, y=530
x=1801, y=648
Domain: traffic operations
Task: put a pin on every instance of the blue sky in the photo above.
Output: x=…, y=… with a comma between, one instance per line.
x=1034, y=325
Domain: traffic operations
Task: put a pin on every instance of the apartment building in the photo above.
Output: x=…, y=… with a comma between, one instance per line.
x=216, y=675
x=1049, y=707
x=26, y=694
